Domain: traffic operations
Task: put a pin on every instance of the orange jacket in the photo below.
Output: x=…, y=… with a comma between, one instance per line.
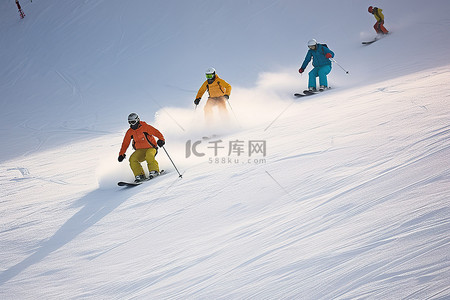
x=142, y=137
x=218, y=88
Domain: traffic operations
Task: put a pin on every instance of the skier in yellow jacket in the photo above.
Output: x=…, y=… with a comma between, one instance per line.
x=379, y=25
x=219, y=92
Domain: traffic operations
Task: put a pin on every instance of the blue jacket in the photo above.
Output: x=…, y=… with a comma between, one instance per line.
x=318, y=56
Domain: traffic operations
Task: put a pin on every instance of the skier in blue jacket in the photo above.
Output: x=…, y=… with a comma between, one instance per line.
x=320, y=55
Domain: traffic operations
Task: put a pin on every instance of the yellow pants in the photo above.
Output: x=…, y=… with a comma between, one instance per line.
x=141, y=155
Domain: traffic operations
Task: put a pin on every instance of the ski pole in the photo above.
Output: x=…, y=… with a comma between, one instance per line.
x=333, y=60
x=233, y=113
x=193, y=115
x=181, y=176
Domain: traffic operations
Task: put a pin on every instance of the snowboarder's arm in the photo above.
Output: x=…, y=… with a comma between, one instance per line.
x=227, y=87
x=380, y=14
x=155, y=132
x=125, y=143
x=326, y=50
x=307, y=60
x=202, y=90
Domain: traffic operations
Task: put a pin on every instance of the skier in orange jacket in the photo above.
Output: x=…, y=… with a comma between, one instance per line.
x=219, y=92
x=379, y=25
x=145, y=147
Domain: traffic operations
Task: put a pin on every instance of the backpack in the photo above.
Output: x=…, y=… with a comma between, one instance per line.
x=323, y=50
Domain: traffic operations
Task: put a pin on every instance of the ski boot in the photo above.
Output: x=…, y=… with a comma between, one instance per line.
x=139, y=178
x=152, y=174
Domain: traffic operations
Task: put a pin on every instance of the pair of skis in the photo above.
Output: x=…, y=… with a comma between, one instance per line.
x=309, y=93
x=131, y=184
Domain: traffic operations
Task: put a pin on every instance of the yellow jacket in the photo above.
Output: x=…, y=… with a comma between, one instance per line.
x=218, y=88
x=377, y=12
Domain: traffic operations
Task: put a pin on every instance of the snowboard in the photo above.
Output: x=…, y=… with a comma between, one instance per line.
x=131, y=184
x=379, y=37
x=370, y=42
x=309, y=93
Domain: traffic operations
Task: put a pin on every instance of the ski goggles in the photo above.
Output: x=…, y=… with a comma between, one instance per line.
x=209, y=76
x=133, y=122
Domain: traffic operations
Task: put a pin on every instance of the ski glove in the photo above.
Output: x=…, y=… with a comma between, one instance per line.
x=121, y=157
x=197, y=101
x=301, y=70
x=160, y=143
x=328, y=55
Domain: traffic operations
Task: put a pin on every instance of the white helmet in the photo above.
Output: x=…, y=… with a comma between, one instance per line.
x=133, y=118
x=312, y=43
x=210, y=74
x=210, y=71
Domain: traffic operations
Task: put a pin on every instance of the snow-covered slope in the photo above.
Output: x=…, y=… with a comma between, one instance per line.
x=349, y=201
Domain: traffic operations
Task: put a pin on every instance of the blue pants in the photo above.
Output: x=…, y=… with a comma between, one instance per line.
x=320, y=72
